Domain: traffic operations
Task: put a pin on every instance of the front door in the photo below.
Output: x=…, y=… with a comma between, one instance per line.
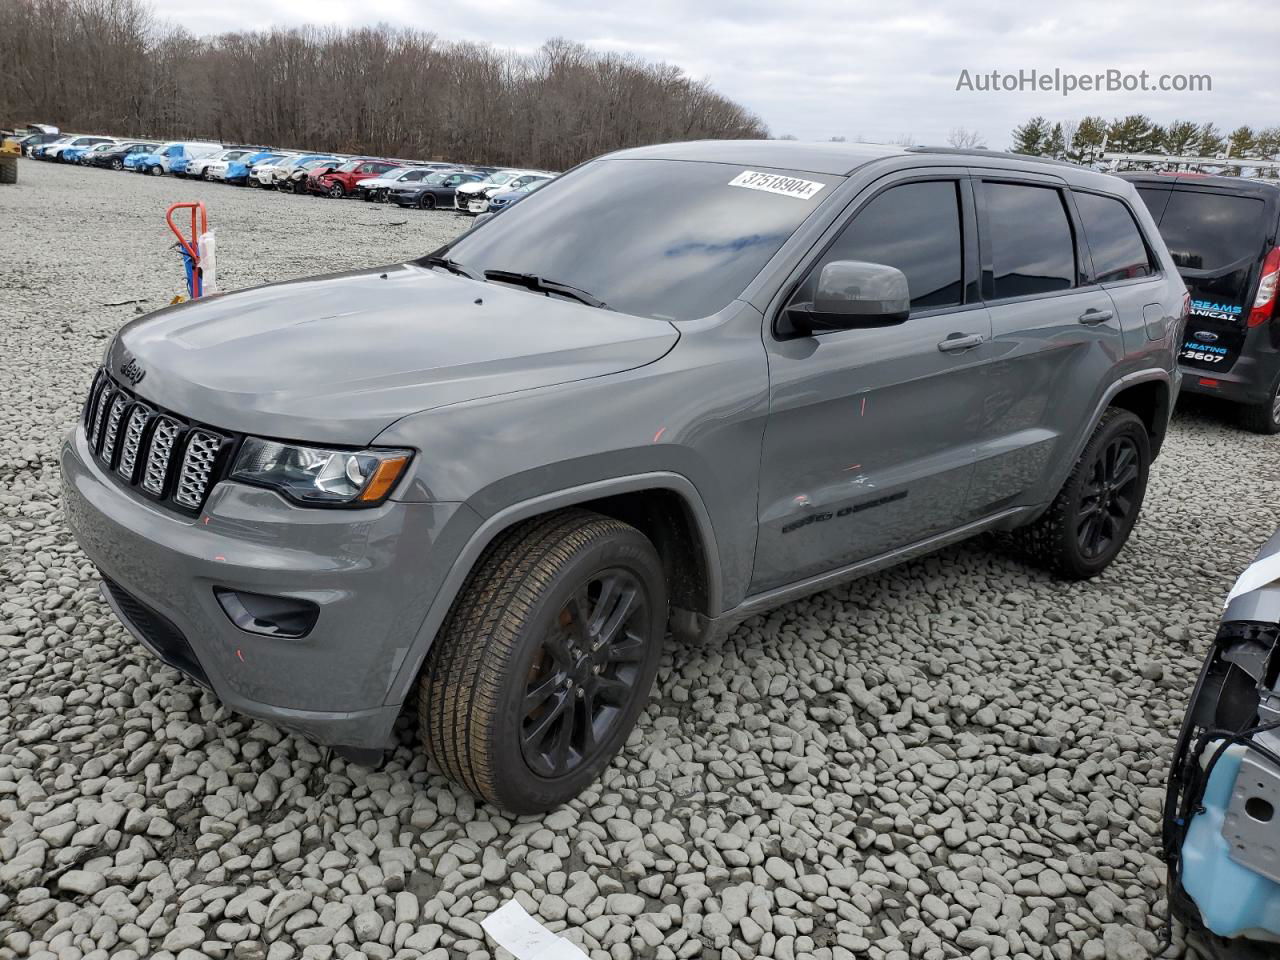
x=870, y=438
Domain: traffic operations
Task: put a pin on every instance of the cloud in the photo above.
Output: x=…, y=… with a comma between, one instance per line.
x=861, y=70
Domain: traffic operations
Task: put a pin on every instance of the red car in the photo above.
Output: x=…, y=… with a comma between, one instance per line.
x=342, y=181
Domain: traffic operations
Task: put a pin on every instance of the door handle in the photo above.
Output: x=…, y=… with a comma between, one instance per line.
x=960, y=341
x=1094, y=316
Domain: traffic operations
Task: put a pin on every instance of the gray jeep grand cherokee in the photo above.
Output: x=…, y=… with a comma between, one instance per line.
x=678, y=386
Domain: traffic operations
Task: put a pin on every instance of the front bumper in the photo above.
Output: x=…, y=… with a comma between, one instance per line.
x=372, y=573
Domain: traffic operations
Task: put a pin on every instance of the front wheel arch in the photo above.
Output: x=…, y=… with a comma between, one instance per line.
x=617, y=497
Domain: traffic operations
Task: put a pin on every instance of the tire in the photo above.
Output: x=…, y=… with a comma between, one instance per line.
x=155, y=171
x=1263, y=417
x=336, y=191
x=522, y=627
x=1082, y=531
x=9, y=170
x=117, y=164
x=427, y=202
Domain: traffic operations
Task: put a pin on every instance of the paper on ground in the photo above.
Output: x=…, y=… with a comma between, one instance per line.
x=518, y=933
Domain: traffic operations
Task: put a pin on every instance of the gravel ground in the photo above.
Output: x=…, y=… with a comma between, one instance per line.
x=956, y=758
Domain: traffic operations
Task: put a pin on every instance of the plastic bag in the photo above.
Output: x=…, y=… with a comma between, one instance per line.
x=206, y=247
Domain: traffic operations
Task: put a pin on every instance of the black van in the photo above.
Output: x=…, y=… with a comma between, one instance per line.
x=1222, y=233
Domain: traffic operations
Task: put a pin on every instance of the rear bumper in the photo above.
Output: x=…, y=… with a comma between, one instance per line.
x=372, y=575
x=1249, y=381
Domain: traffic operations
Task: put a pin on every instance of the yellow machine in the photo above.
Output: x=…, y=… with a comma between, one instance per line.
x=9, y=154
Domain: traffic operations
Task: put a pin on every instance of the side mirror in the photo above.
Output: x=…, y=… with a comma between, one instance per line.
x=852, y=294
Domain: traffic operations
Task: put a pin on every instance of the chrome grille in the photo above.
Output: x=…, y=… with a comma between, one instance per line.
x=162, y=438
x=147, y=446
x=132, y=442
x=99, y=414
x=197, y=467
x=114, y=416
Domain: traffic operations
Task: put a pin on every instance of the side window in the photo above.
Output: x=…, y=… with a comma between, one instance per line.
x=914, y=227
x=1032, y=249
x=1119, y=252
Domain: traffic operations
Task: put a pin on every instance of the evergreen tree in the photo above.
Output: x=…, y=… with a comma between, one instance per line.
x=1241, y=142
x=1209, y=142
x=1055, y=145
x=1031, y=136
x=1086, y=145
x=1136, y=133
x=1180, y=138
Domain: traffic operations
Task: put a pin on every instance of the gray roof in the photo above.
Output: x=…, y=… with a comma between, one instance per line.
x=838, y=159
x=830, y=158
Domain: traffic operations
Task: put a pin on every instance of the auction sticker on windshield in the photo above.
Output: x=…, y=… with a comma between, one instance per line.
x=777, y=183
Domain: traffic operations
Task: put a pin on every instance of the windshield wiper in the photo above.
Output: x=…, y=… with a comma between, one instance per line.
x=534, y=282
x=453, y=266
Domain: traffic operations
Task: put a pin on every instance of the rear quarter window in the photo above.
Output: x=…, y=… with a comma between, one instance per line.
x=1209, y=231
x=1115, y=242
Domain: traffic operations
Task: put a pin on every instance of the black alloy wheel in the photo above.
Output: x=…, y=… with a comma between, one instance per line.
x=585, y=673
x=1108, y=497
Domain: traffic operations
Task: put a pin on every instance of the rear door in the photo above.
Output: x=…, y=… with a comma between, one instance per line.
x=1121, y=262
x=1056, y=336
x=1218, y=239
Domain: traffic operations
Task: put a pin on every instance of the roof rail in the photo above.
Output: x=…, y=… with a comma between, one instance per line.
x=983, y=152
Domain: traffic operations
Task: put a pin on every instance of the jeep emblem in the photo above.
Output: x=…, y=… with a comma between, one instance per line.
x=133, y=372
x=1208, y=336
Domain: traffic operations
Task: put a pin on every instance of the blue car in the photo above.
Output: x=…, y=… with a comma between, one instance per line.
x=238, y=170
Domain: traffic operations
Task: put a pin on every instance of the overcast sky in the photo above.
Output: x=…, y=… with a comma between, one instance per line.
x=872, y=71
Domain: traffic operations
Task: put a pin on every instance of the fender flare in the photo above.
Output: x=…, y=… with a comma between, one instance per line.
x=409, y=667
x=1128, y=380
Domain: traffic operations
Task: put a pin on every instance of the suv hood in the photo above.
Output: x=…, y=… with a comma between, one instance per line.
x=337, y=359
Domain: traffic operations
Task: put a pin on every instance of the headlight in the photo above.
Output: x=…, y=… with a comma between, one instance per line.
x=317, y=477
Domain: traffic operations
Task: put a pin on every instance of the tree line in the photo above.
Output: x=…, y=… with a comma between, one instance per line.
x=1083, y=140
x=111, y=66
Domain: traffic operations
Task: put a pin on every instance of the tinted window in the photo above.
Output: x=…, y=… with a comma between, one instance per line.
x=602, y=229
x=1208, y=231
x=1156, y=200
x=1030, y=237
x=914, y=227
x=1115, y=242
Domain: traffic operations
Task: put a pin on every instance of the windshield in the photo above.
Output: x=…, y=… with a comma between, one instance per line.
x=499, y=177
x=351, y=165
x=600, y=230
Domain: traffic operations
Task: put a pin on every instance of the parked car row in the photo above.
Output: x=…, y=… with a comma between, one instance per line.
x=466, y=188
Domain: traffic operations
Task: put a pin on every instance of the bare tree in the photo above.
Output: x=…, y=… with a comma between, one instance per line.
x=963, y=138
x=108, y=65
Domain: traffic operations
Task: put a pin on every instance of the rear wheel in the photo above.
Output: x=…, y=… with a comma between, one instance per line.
x=1093, y=514
x=1263, y=417
x=545, y=660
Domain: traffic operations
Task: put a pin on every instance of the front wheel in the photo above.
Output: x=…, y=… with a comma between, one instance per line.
x=545, y=660
x=336, y=191
x=426, y=202
x=1093, y=514
x=117, y=164
x=154, y=171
